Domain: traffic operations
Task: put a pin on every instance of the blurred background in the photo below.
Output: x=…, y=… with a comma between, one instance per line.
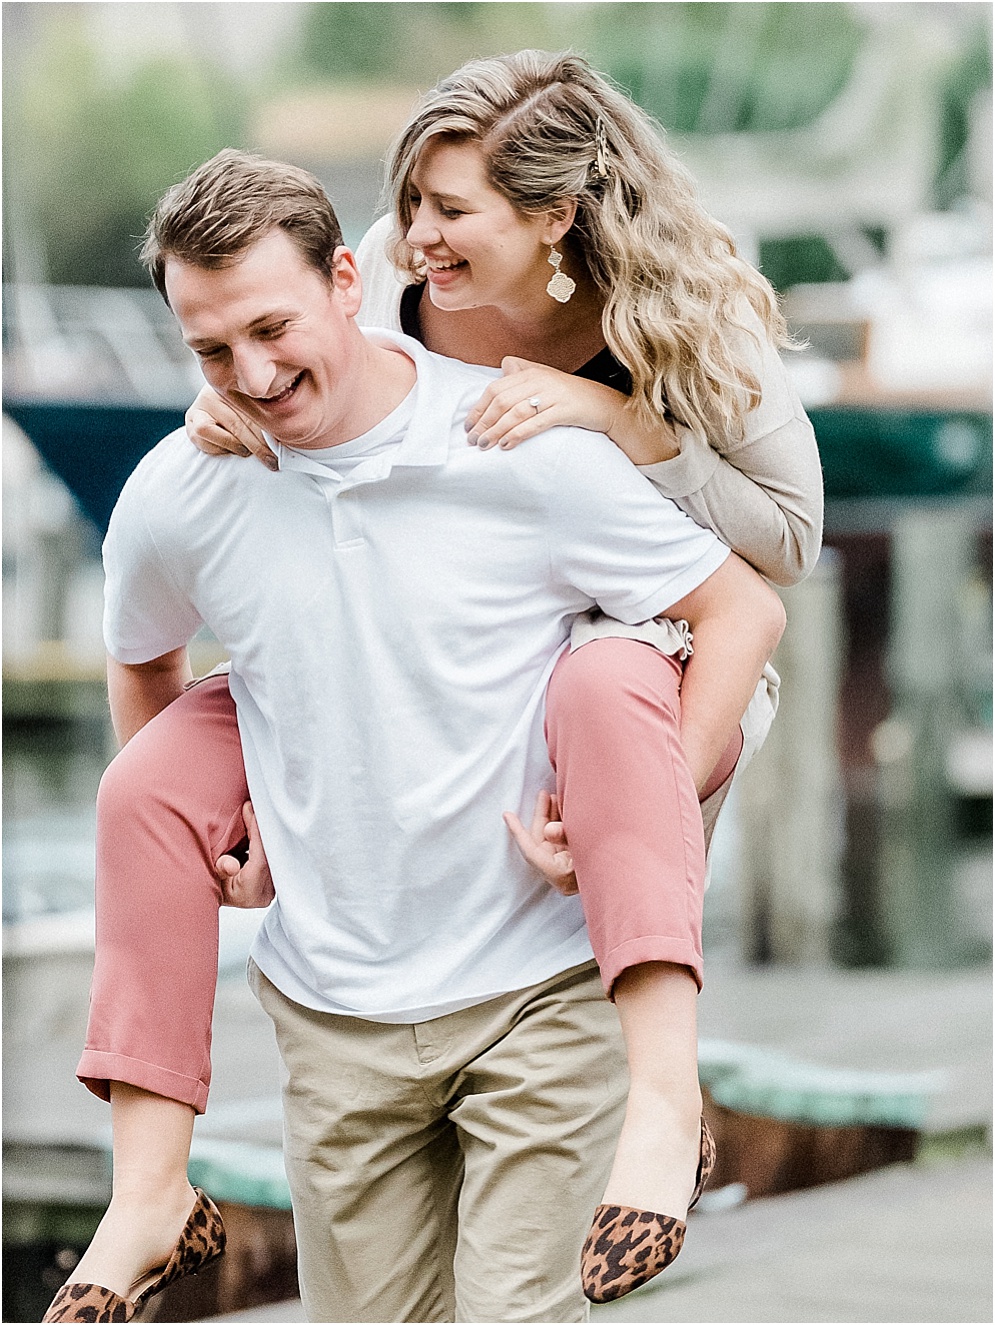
x=848, y=926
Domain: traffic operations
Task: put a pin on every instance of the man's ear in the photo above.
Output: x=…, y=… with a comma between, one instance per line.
x=346, y=280
x=559, y=218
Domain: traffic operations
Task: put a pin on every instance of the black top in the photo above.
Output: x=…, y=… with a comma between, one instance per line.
x=604, y=367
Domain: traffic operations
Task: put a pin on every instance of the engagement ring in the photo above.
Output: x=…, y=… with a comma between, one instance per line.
x=534, y=402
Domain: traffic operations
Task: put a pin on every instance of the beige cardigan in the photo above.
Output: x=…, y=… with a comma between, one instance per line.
x=761, y=493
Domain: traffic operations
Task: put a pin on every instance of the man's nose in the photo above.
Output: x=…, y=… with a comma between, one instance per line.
x=255, y=372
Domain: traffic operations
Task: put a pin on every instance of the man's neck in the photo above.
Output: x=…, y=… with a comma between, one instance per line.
x=380, y=375
x=384, y=377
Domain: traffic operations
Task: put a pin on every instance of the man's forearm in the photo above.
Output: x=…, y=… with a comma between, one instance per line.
x=736, y=620
x=137, y=692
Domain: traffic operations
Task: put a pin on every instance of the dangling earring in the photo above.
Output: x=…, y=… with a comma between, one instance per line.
x=560, y=286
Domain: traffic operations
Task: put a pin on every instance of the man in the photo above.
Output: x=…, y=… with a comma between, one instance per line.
x=393, y=602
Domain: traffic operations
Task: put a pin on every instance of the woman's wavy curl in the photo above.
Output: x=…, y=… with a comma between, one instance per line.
x=672, y=283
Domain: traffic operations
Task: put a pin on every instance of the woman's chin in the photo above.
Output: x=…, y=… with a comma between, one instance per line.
x=452, y=291
x=454, y=301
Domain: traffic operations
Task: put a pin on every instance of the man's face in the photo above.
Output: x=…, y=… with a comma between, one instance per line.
x=274, y=336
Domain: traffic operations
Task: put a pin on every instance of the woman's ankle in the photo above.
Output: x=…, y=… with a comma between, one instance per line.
x=137, y=1232
x=144, y=1192
x=681, y=1100
x=657, y=1156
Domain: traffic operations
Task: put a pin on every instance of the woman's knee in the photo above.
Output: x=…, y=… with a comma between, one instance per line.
x=606, y=678
x=187, y=760
x=127, y=781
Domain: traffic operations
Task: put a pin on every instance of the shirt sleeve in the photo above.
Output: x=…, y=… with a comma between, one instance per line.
x=761, y=493
x=616, y=539
x=146, y=613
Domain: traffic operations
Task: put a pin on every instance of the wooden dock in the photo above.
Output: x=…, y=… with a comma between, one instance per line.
x=869, y=1021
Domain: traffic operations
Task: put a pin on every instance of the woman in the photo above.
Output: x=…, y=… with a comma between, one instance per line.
x=624, y=310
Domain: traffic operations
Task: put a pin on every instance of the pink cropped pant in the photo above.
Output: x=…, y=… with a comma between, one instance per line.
x=171, y=803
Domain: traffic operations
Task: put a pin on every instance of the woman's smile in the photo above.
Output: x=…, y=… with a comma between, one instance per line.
x=478, y=250
x=443, y=273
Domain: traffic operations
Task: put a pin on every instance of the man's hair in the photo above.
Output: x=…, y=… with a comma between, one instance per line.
x=210, y=218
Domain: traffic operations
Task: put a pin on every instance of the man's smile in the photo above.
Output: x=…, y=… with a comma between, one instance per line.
x=280, y=396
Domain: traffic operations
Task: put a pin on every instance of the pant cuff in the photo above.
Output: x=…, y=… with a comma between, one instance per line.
x=97, y=1070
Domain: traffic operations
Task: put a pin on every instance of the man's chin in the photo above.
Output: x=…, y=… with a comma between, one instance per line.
x=287, y=431
x=301, y=439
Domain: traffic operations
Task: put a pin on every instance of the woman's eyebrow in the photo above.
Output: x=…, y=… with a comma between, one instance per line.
x=447, y=197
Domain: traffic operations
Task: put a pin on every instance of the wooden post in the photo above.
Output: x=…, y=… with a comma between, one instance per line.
x=791, y=801
x=932, y=554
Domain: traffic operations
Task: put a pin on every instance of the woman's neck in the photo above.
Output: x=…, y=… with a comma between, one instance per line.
x=564, y=336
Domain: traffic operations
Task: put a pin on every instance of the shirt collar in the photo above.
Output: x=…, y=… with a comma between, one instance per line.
x=426, y=439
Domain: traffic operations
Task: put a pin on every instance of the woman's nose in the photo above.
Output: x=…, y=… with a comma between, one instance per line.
x=422, y=231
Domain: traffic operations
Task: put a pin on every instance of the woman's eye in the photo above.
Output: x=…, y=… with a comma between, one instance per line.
x=450, y=213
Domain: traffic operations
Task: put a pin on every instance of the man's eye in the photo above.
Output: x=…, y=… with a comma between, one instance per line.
x=211, y=352
x=277, y=330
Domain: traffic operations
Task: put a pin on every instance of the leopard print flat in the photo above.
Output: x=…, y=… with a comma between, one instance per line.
x=201, y=1242
x=89, y=1302
x=626, y=1247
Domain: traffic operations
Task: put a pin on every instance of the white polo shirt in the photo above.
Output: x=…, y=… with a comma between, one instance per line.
x=393, y=608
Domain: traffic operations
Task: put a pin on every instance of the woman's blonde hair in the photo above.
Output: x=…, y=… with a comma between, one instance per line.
x=553, y=129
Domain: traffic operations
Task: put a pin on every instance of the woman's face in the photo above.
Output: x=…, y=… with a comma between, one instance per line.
x=477, y=248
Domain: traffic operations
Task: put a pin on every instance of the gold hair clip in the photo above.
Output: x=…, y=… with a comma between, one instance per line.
x=601, y=148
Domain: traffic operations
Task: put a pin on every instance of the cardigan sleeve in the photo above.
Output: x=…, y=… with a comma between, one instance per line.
x=382, y=283
x=761, y=493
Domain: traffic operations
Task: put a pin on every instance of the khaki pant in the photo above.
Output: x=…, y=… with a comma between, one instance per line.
x=449, y=1170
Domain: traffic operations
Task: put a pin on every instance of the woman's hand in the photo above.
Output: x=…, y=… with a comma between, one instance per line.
x=504, y=417
x=246, y=885
x=217, y=428
x=544, y=846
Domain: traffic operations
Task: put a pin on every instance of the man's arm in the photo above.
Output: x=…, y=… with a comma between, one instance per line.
x=138, y=691
x=736, y=619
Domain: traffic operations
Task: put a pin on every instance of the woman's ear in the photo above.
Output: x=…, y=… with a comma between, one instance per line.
x=559, y=218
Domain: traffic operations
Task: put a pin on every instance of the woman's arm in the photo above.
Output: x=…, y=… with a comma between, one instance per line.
x=736, y=620
x=761, y=494
x=764, y=499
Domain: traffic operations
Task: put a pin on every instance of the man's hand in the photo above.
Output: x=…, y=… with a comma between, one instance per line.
x=545, y=845
x=248, y=885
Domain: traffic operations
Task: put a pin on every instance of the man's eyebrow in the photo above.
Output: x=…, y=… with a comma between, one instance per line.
x=276, y=315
